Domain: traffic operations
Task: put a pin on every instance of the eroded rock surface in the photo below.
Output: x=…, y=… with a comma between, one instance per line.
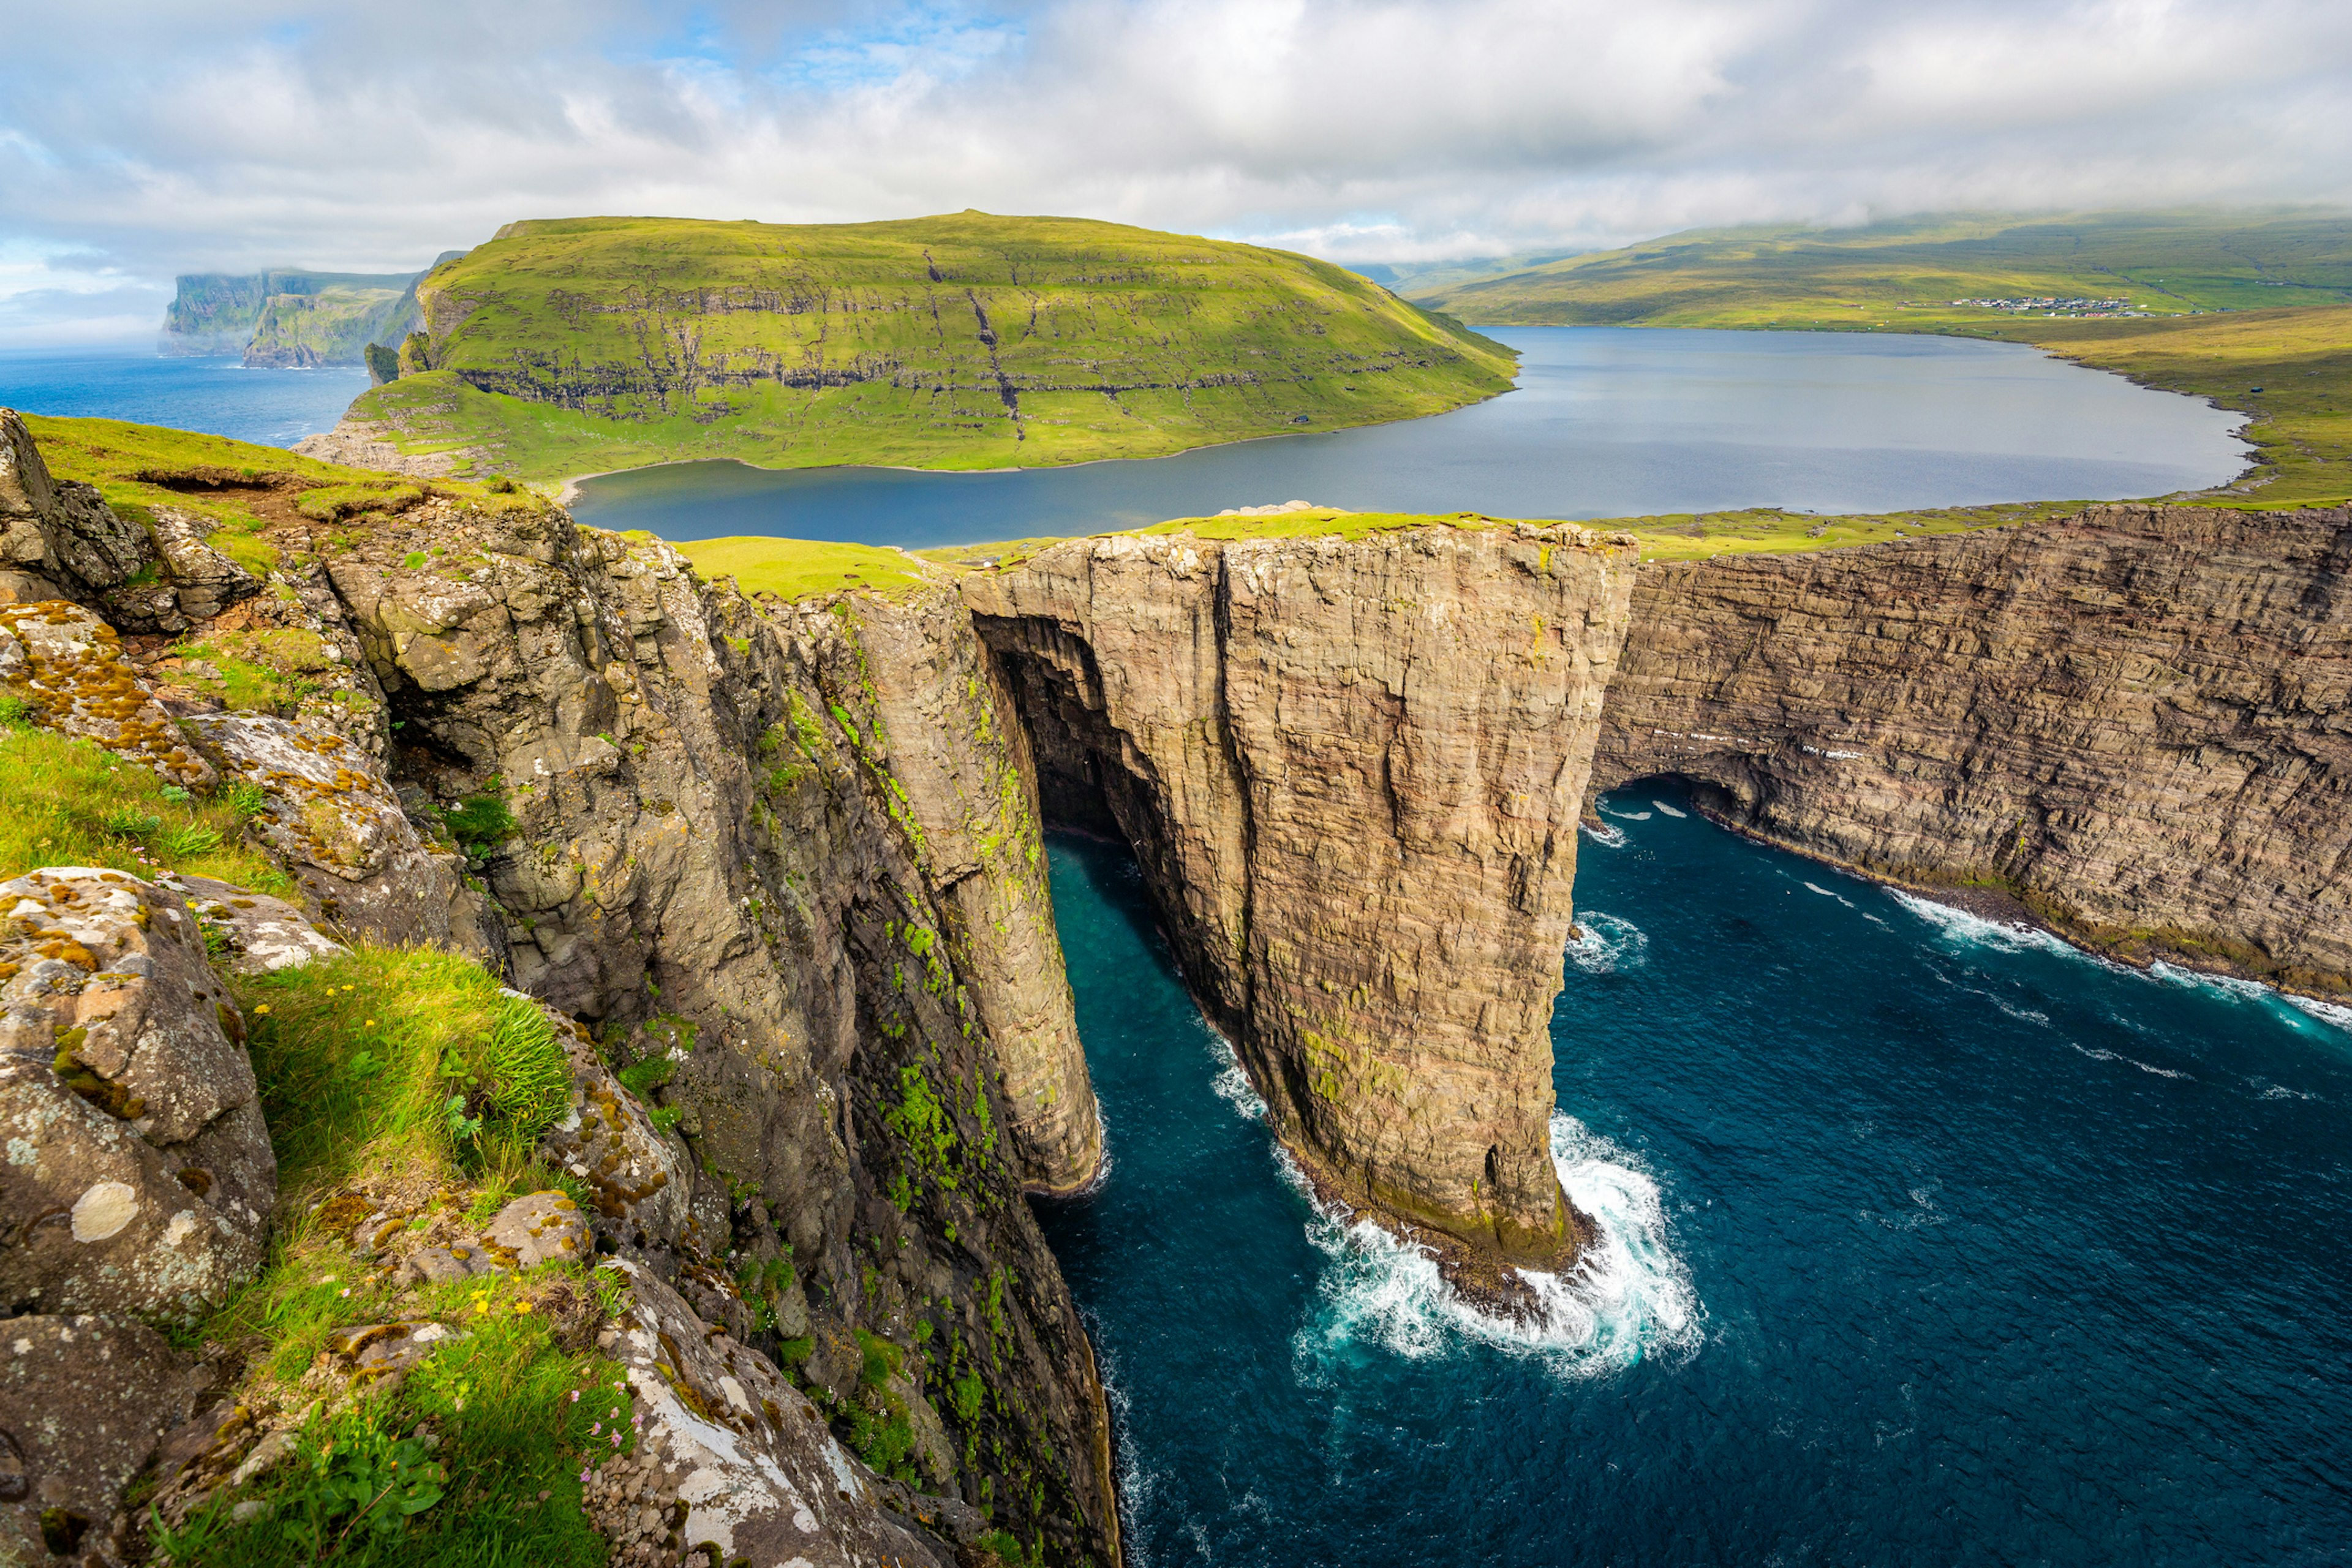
x=1350, y=771
x=84, y=1402
x=337, y=825
x=67, y=665
x=140, y=1178
x=2138, y=720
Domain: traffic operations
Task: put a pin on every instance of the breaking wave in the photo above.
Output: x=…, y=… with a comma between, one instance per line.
x=1604, y=945
x=1958, y=926
x=1668, y=810
x=1628, y=1298
x=1604, y=835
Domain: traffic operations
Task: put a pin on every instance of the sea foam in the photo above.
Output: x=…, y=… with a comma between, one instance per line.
x=1607, y=945
x=1628, y=1298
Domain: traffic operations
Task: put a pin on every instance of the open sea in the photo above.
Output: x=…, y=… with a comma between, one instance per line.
x=216, y=397
x=1927, y=1242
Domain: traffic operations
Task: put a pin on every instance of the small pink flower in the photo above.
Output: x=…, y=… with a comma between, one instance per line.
x=576, y=1397
x=617, y=1439
x=597, y=1430
x=583, y=1475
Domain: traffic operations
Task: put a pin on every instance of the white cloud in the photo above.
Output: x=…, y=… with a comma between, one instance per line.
x=162, y=139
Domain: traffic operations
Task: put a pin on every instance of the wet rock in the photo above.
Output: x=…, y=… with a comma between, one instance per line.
x=260, y=934
x=338, y=825
x=67, y=666
x=84, y=1403
x=735, y=1457
x=140, y=1178
x=543, y=1228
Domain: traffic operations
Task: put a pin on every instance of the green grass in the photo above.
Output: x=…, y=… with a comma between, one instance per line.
x=966, y=340
x=66, y=801
x=357, y=1059
x=243, y=490
x=803, y=568
x=2251, y=311
x=256, y=671
x=1904, y=276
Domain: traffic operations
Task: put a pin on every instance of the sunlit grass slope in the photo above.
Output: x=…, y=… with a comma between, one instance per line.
x=804, y=568
x=962, y=342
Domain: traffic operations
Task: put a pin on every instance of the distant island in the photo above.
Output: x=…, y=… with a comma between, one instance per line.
x=292, y=318
x=572, y=346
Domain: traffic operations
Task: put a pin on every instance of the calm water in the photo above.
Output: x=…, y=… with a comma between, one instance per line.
x=217, y=397
x=1929, y=1243
x=1606, y=422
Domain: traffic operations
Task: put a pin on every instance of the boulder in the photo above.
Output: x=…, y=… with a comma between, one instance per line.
x=258, y=934
x=337, y=824
x=542, y=1227
x=84, y=1402
x=68, y=667
x=140, y=1178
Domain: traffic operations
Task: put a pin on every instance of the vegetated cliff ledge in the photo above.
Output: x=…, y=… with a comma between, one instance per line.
x=1350, y=770
x=783, y=857
x=2137, y=723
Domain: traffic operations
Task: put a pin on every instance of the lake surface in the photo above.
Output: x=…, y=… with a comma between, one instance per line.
x=1929, y=1242
x=1606, y=422
x=217, y=397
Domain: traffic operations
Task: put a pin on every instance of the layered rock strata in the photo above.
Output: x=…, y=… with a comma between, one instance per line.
x=783, y=856
x=2133, y=721
x=1350, y=771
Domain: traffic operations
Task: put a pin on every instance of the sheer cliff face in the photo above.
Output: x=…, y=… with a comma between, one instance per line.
x=790, y=847
x=1351, y=772
x=2133, y=721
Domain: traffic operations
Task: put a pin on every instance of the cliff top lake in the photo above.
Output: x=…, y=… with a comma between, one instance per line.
x=1605, y=422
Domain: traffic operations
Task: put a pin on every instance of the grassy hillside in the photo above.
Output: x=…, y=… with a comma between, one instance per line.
x=1904, y=276
x=2253, y=312
x=965, y=341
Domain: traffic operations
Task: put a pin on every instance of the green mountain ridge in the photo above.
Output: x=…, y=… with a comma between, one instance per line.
x=1793, y=275
x=968, y=341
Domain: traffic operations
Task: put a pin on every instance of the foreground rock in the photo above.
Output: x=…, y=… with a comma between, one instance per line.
x=2132, y=721
x=1350, y=771
x=140, y=1179
x=84, y=1402
x=67, y=666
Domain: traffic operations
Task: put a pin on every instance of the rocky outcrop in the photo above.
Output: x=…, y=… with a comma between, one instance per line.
x=337, y=825
x=141, y=1179
x=65, y=664
x=58, y=537
x=2133, y=720
x=755, y=894
x=1350, y=771
x=367, y=444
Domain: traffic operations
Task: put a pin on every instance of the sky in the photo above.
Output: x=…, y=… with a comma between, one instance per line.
x=139, y=140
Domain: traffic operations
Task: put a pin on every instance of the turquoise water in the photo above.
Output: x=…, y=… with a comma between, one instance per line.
x=1605, y=422
x=217, y=397
x=1929, y=1242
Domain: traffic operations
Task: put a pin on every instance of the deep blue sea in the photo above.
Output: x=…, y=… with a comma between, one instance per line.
x=217, y=397
x=1605, y=422
x=1929, y=1242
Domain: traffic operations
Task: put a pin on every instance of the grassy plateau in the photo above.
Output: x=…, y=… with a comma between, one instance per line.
x=573, y=346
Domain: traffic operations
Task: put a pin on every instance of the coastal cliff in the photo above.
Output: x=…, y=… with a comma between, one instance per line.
x=2131, y=722
x=764, y=881
x=1350, y=770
